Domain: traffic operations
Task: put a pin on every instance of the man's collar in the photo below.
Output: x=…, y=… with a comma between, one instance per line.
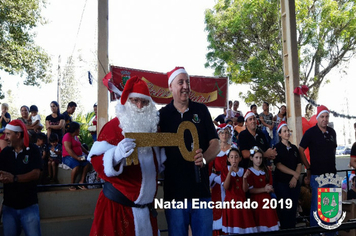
x=19, y=148
x=326, y=129
x=254, y=135
x=173, y=108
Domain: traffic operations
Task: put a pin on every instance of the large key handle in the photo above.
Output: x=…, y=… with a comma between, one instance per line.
x=165, y=140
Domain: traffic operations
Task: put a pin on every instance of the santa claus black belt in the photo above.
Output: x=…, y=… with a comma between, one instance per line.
x=115, y=195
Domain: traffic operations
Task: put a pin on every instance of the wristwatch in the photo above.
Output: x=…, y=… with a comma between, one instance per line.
x=15, y=179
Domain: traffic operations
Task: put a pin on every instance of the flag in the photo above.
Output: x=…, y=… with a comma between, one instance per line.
x=90, y=77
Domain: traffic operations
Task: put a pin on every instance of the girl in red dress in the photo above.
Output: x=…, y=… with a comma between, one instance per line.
x=236, y=220
x=259, y=180
x=216, y=168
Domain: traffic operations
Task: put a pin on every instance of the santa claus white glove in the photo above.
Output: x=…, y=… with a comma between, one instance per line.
x=211, y=179
x=217, y=179
x=124, y=148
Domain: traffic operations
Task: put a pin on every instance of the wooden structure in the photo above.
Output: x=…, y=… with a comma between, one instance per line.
x=103, y=62
x=291, y=69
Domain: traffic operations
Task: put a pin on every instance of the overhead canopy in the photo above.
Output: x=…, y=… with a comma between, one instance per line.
x=212, y=91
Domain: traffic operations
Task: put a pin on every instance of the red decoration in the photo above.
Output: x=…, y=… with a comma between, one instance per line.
x=301, y=90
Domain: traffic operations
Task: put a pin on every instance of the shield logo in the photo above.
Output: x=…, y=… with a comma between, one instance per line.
x=25, y=160
x=196, y=118
x=329, y=204
x=125, y=77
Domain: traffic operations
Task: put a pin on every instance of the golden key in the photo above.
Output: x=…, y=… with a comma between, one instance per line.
x=165, y=140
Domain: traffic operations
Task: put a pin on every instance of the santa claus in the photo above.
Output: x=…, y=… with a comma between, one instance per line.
x=124, y=206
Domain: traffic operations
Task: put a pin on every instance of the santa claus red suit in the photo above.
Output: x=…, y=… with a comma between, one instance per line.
x=124, y=206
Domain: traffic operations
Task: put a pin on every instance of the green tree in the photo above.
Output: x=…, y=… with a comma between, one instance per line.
x=84, y=134
x=245, y=43
x=69, y=90
x=14, y=110
x=18, y=52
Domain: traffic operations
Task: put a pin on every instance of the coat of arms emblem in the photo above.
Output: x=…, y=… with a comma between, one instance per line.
x=329, y=202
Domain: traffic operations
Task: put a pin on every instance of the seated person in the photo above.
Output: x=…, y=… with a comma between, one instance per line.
x=35, y=118
x=351, y=194
x=73, y=154
x=55, y=157
x=5, y=117
x=238, y=128
x=26, y=119
x=41, y=143
x=305, y=196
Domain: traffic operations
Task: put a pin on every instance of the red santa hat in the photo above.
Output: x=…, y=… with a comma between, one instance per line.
x=320, y=110
x=19, y=126
x=283, y=123
x=223, y=126
x=249, y=114
x=135, y=87
x=173, y=73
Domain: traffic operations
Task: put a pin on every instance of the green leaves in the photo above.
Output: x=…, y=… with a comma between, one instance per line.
x=18, y=52
x=84, y=134
x=245, y=43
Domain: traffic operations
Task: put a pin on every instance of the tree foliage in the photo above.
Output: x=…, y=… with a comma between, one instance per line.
x=18, y=52
x=245, y=43
x=69, y=85
x=84, y=134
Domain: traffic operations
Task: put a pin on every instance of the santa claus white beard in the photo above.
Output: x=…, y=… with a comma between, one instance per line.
x=135, y=120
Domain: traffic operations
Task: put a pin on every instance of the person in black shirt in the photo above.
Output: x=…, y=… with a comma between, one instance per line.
x=55, y=121
x=251, y=137
x=286, y=176
x=68, y=116
x=220, y=119
x=180, y=180
x=322, y=144
x=20, y=165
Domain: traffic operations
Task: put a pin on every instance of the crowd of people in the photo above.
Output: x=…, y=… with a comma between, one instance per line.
x=245, y=158
x=29, y=157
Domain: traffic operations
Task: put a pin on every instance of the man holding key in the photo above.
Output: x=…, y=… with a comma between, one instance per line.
x=124, y=206
x=186, y=180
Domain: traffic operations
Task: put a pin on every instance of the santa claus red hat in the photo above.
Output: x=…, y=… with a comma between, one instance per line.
x=135, y=87
x=321, y=109
x=223, y=126
x=19, y=126
x=173, y=73
x=283, y=123
x=249, y=114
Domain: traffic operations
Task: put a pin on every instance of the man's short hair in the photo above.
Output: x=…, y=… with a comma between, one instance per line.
x=252, y=106
x=72, y=104
x=266, y=103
